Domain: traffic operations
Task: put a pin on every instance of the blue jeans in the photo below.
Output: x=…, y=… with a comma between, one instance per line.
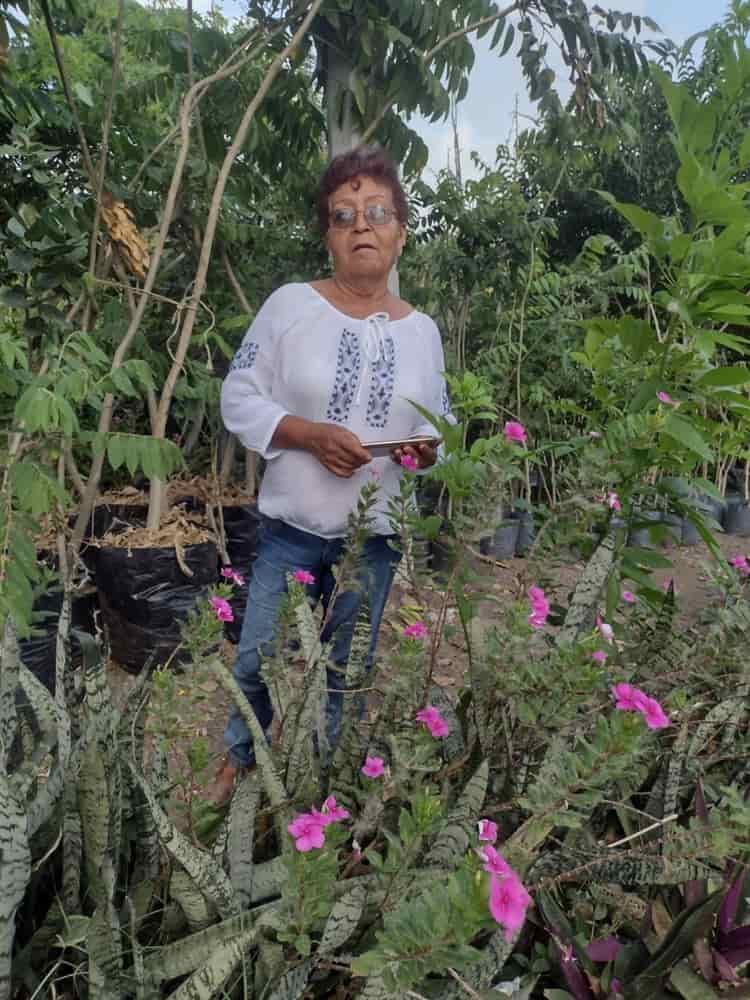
x=281, y=550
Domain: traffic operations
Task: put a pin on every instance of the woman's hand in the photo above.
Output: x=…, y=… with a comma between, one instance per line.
x=337, y=449
x=424, y=455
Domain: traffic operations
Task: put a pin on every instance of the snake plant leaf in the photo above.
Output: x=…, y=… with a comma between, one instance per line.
x=348, y=754
x=343, y=919
x=292, y=984
x=194, y=905
x=677, y=760
x=713, y=724
x=241, y=839
x=10, y=660
x=489, y=966
x=689, y=985
x=266, y=768
x=208, y=876
x=375, y=988
x=687, y=928
x=581, y=614
x=186, y=955
x=15, y=871
x=94, y=805
x=268, y=878
x=104, y=947
x=209, y=980
x=452, y=841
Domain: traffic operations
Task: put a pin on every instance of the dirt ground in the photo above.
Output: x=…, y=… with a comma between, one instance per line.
x=496, y=581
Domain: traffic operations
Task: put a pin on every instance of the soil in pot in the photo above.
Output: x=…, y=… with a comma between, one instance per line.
x=738, y=520
x=148, y=581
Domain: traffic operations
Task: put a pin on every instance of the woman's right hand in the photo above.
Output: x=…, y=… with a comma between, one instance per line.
x=337, y=449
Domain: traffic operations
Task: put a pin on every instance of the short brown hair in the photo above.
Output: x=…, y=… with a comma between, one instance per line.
x=364, y=161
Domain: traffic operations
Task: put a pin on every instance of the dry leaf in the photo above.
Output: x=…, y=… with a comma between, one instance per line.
x=125, y=235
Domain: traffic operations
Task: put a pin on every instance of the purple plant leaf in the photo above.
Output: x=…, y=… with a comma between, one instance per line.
x=724, y=968
x=728, y=909
x=735, y=946
x=575, y=979
x=603, y=949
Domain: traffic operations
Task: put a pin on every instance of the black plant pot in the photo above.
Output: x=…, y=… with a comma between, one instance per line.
x=712, y=509
x=526, y=530
x=145, y=597
x=641, y=536
x=39, y=651
x=690, y=534
x=738, y=520
x=673, y=526
x=505, y=539
x=444, y=556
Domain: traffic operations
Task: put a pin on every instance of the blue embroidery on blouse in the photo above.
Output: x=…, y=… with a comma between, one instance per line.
x=381, y=386
x=245, y=356
x=348, y=365
x=445, y=401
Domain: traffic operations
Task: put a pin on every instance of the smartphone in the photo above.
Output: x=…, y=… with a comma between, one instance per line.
x=380, y=449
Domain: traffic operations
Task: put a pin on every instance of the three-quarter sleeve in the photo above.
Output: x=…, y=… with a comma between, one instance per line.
x=248, y=408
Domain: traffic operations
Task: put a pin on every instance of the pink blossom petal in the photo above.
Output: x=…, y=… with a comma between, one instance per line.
x=487, y=830
x=665, y=398
x=654, y=714
x=409, y=463
x=629, y=597
x=373, y=767
x=508, y=902
x=417, y=631
x=303, y=576
x=515, y=432
x=599, y=656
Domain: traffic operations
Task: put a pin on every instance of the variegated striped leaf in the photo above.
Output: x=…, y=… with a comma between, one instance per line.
x=186, y=955
x=241, y=839
x=209, y=877
x=208, y=981
x=343, y=919
x=15, y=871
x=452, y=841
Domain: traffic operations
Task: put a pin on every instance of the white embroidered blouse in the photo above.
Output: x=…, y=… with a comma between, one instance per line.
x=303, y=357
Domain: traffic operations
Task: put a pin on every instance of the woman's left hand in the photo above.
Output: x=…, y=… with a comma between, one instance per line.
x=424, y=455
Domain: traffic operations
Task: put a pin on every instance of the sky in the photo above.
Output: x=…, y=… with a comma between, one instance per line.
x=486, y=115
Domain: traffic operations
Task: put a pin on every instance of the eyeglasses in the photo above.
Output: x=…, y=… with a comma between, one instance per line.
x=374, y=215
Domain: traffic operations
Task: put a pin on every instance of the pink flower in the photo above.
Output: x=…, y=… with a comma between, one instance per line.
x=595, y=435
x=373, y=767
x=409, y=463
x=665, y=398
x=613, y=502
x=508, y=902
x=431, y=719
x=307, y=831
x=599, y=656
x=629, y=597
x=417, y=631
x=628, y=698
x=222, y=609
x=302, y=576
x=740, y=563
x=514, y=432
x=539, y=607
x=605, y=631
x=229, y=574
x=487, y=830
x=493, y=861
x=654, y=714
x=331, y=812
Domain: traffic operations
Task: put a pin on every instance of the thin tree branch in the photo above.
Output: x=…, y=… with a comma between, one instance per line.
x=227, y=68
x=191, y=75
x=199, y=283
x=85, y=152
x=236, y=286
x=98, y=190
x=430, y=54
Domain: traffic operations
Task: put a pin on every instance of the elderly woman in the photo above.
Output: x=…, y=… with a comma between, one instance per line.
x=324, y=367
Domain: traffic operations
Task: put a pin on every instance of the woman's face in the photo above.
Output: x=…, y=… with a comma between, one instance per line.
x=364, y=249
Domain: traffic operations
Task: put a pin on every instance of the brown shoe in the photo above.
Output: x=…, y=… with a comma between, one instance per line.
x=223, y=787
